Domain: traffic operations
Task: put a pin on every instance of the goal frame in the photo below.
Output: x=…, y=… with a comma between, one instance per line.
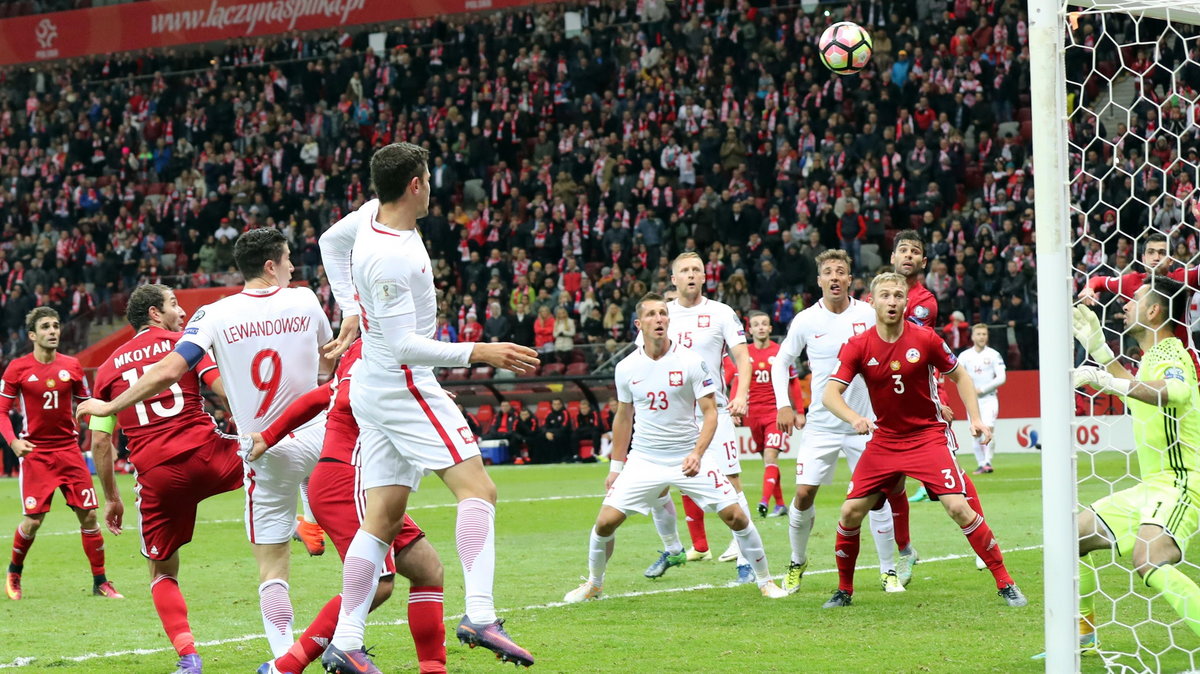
x=1048, y=101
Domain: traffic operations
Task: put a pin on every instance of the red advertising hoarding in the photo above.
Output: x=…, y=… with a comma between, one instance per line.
x=162, y=23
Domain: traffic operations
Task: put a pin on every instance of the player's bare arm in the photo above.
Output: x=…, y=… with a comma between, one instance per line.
x=157, y=379
x=505, y=356
x=708, y=407
x=103, y=453
x=347, y=333
x=966, y=391
x=835, y=403
x=740, y=402
x=622, y=435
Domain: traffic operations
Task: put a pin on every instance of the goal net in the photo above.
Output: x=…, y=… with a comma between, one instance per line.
x=1115, y=123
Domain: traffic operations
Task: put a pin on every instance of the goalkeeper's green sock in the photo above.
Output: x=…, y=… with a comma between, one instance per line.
x=1089, y=584
x=1181, y=593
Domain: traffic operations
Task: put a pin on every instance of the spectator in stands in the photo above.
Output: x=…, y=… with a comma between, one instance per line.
x=522, y=323
x=472, y=330
x=497, y=328
x=956, y=332
x=607, y=415
x=564, y=334
x=543, y=330
x=445, y=332
x=1019, y=319
x=614, y=322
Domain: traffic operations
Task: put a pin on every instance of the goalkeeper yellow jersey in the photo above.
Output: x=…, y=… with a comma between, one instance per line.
x=1167, y=438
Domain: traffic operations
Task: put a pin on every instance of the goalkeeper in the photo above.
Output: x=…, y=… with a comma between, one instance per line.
x=1148, y=525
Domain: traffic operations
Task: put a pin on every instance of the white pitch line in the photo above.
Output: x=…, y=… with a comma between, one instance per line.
x=26, y=661
x=427, y=506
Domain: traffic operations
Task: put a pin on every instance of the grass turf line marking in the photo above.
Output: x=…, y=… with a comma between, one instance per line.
x=26, y=661
x=428, y=506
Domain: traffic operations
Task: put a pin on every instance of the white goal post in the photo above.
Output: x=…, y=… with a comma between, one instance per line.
x=1055, y=96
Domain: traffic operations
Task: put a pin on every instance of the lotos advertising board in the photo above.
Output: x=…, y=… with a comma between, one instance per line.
x=162, y=23
x=1092, y=434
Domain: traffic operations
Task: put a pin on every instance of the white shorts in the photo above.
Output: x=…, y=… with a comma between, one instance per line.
x=724, y=446
x=273, y=483
x=817, y=454
x=407, y=429
x=643, y=480
x=989, y=410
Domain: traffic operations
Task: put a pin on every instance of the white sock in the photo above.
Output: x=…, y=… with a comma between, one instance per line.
x=308, y=513
x=884, y=533
x=360, y=578
x=800, y=525
x=751, y=546
x=742, y=559
x=600, y=549
x=666, y=521
x=276, y=608
x=980, y=452
x=989, y=450
x=475, y=534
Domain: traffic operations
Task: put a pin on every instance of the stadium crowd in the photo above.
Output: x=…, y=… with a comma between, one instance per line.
x=565, y=170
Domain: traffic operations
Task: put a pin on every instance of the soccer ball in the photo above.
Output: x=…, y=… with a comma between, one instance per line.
x=845, y=47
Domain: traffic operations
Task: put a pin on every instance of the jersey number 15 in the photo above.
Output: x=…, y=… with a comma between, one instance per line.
x=161, y=408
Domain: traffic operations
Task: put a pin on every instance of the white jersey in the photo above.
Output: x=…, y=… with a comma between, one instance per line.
x=986, y=369
x=663, y=393
x=267, y=344
x=388, y=273
x=710, y=329
x=823, y=333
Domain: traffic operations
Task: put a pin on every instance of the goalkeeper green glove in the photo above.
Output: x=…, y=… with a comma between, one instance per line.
x=1091, y=335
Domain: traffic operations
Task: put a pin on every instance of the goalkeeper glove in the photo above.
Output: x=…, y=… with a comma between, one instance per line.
x=1091, y=335
x=1100, y=380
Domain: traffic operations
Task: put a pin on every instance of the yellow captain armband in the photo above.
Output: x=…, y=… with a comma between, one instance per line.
x=104, y=424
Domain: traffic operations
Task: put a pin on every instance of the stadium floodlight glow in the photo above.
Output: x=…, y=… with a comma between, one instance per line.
x=1114, y=115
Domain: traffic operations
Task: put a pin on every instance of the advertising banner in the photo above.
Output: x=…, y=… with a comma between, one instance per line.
x=162, y=23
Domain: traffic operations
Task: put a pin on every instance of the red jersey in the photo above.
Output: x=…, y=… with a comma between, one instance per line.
x=165, y=425
x=341, y=430
x=1127, y=284
x=922, y=306
x=44, y=392
x=762, y=392
x=901, y=378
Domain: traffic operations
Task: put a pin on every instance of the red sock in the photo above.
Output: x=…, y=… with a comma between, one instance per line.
x=770, y=484
x=313, y=641
x=778, y=490
x=845, y=551
x=899, y=503
x=979, y=534
x=21, y=545
x=695, y=524
x=972, y=495
x=93, y=547
x=427, y=627
x=172, y=611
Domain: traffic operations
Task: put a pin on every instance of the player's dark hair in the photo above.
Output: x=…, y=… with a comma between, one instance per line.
x=253, y=249
x=755, y=314
x=648, y=297
x=137, y=312
x=38, y=313
x=1170, y=295
x=909, y=236
x=1154, y=237
x=394, y=166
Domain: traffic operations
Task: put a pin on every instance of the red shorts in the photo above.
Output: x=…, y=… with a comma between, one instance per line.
x=44, y=471
x=167, y=494
x=338, y=501
x=765, y=432
x=931, y=462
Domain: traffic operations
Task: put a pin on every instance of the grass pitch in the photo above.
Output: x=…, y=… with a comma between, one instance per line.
x=950, y=620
